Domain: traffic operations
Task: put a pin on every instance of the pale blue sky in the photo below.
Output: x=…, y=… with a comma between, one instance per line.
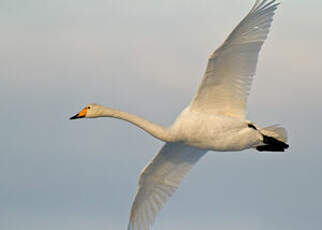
x=147, y=57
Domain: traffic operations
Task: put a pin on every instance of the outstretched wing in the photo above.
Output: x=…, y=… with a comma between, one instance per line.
x=228, y=77
x=159, y=180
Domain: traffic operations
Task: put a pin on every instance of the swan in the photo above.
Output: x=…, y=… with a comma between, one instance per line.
x=214, y=120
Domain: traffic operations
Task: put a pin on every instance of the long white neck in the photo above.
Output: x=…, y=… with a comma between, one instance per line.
x=153, y=129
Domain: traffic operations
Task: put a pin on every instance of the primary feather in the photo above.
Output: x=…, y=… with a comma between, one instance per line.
x=159, y=180
x=228, y=77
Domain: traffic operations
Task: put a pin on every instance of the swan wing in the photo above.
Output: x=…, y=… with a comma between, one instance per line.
x=158, y=181
x=228, y=77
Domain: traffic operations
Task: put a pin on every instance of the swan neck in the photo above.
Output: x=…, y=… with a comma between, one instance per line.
x=157, y=131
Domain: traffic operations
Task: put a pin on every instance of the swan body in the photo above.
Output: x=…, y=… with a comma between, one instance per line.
x=214, y=120
x=214, y=132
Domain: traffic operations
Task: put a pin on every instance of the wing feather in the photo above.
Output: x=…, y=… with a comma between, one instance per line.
x=159, y=180
x=228, y=77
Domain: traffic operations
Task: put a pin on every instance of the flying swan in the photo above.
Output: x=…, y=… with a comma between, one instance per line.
x=214, y=120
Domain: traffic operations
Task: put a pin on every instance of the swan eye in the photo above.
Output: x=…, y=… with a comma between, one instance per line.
x=88, y=107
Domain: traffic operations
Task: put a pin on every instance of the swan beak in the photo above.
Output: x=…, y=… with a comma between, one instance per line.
x=81, y=114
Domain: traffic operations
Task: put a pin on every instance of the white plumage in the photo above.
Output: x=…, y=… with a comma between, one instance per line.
x=159, y=180
x=226, y=83
x=215, y=119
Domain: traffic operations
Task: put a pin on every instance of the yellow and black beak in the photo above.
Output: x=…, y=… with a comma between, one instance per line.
x=81, y=114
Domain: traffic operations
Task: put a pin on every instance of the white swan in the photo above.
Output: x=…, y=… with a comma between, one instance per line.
x=215, y=119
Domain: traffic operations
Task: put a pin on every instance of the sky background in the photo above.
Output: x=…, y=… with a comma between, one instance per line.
x=148, y=57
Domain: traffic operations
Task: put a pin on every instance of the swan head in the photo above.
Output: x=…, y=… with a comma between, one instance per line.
x=89, y=111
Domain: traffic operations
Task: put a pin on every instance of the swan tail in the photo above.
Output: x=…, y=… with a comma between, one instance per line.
x=274, y=139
